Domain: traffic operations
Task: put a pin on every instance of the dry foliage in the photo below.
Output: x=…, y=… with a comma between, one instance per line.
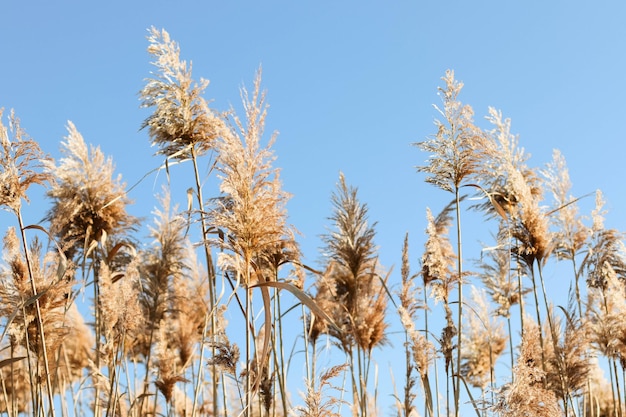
x=94, y=322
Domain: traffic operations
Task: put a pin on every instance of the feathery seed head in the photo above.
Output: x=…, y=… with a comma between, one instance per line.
x=526, y=395
x=456, y=150
x=182, y=121
x=20, y=160
x=88, y=203
x=252, y=211
x=484, y=341
x=439, y=257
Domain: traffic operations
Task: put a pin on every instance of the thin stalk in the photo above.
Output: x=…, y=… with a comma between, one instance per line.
x=577, y=277
x=429, y=412
x=5, y=395
x=409, y=367
x=282, y=373
x=97, y=319
x=307, y=360
x=612, y=387
x=212, y=291
x=224, y=399
x=624, y=382
x=457, y=387
x=146, y=384
x=617, y=389
x=541, y=342
x=30, y=366
x=554, y=338
x=114, y=378
x=521, y=296
x=508, y=319
x=361, y=390
x=248, y=397
x=42, y=336
x=196, y=393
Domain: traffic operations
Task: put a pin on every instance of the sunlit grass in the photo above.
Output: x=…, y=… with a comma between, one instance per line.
x=215, y=313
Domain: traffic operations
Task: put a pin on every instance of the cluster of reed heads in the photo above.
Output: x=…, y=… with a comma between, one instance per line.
x=94, y=323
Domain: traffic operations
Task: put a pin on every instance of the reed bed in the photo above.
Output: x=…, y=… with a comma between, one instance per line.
x=199, y=317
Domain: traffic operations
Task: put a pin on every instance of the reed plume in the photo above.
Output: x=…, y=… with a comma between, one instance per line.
x=33, y=302
x=252, y=210
x=89, y=220
x=495, y=274
x=21, y=161
x=572, y=234
x=438, y=273
x=526, y=395
x=420, y=353
x=605, y=256
x=16, y=290
x=354, y=286
x=250, y=216
x=456, y=151
x=352, y=274
x=182, y=121
x=316, y=402
x=504, y=174
x=484, y=342
x=159, y=266
x=598, y=400
x=568, y=358
x=183, y=127
x=606, y=306
x=21, y=164
x=88, y=202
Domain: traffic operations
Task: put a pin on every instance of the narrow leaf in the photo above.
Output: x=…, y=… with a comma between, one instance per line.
x=9, y=361
x=302, y=296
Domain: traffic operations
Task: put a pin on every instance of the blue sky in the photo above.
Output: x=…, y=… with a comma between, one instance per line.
x=350, y=87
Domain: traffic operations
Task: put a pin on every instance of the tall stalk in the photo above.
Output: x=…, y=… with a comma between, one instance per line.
x=459, y=251
x=212, y=292
x=42, y=335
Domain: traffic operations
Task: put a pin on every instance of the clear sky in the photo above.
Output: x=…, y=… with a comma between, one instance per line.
x=350, y=84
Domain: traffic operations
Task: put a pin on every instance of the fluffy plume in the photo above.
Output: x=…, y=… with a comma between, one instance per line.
x=159, y=266
x=496, y=276
x=439, y=259
x=88, y=203
x=52, y=291
x=572, y=234
x=21, y=163
x=420, y=353
x=316, y=404
x=182, y=121
x=567, y=357
x=457, y=148
x=504, y=175
x=598, y=399
x=515, y=193
x=527, y=395
x=606, y=307
x=252, y=211
x=438, y=272
x=168, y=373
x=353, y=275
x=121, y=314
x=484, y=341
x=606, y=256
